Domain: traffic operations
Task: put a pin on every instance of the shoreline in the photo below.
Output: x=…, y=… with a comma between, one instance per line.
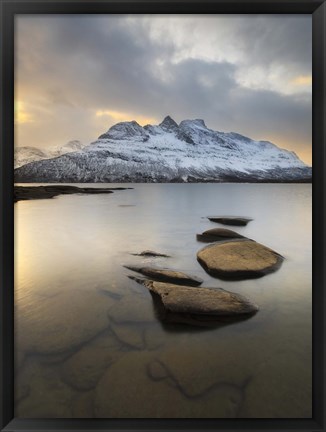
x=24, y=193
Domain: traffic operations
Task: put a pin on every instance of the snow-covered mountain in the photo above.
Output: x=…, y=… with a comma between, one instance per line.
x=168, y=152
x=69, y=147
x=26, y=154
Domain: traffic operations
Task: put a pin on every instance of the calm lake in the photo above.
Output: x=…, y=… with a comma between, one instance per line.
x=88, y=339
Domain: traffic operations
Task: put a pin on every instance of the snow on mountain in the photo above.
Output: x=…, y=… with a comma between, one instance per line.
x=70, y=146
x=25, y=155
x=168, y=152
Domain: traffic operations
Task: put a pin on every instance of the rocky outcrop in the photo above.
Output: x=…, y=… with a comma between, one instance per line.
x=166, y=275
x=230, y=220
x=239, y=259
x=198, y=306
x=217, y=234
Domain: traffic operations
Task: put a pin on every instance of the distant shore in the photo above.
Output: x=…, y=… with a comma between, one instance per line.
x=22, y=193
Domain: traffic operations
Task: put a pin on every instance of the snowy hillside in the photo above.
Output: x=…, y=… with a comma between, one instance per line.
x=168, y=152
x=26, y=154
x=69, y=147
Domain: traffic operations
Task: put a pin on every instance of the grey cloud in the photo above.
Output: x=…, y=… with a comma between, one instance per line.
x=112, y=63
x=283, y=39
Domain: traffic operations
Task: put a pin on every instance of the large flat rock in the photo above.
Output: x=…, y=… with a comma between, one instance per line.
x=166, y=275
x=199, y=306
x=239, y=259
x=217, y=234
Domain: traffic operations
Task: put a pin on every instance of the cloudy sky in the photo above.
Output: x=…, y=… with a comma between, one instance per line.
x=75, y=76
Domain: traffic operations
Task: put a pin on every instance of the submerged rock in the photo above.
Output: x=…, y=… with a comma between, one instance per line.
x=277, y=390
x=199, y=366
x=129, y=334
x=217, y=234
x=62, y=323
x=48, y=396
x=84, y=368
x=149, y=253
x=127, y=390
x=230, y=220
x=239, y=259
x=166, y=275
x=198, y=306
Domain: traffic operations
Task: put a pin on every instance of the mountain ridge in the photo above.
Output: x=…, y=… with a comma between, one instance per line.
x=170, y=152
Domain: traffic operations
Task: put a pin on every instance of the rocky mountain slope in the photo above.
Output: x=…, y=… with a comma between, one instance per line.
x=168, y=152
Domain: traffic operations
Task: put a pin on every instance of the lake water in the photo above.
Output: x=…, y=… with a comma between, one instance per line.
x=88, y=339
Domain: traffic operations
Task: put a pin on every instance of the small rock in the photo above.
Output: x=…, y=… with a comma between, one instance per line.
x=149, y=253
x=239, y=259
x=166, y=275
x=230, y=220
x=199, y=306
x=217, y=234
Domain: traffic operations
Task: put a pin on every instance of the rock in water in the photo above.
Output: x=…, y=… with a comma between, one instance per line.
x=217, y=234
x=149, y=253
x=166, y=275
x=230, y=220
x=198, y=306
x=239, y=259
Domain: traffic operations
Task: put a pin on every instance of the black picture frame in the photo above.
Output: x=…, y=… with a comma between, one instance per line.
x=8, y=10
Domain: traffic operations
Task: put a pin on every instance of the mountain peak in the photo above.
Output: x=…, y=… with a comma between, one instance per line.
x=125, y=130
x=168, y=123
x=200, y=122
x=195, y=122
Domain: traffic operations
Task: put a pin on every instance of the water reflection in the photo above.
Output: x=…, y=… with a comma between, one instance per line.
x=85, y=332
